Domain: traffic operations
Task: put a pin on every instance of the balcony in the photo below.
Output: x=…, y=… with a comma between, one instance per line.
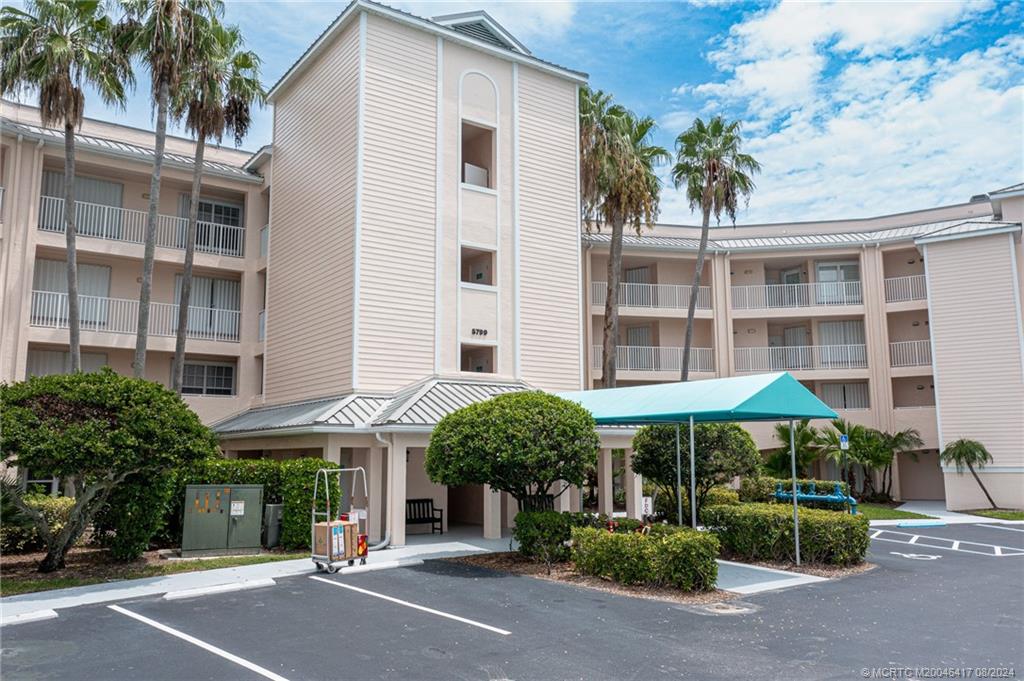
x=659, y=296
x=915, y=353
x=904, y=289
x=119, y=315
x=801, y=358
x=782, y=296
x=120, y=224
x=262, y=325
x=645, y=358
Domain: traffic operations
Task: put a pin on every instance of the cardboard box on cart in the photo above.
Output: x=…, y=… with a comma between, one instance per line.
x=336, y=539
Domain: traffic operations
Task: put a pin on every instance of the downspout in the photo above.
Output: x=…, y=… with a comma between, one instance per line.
x=386, y=541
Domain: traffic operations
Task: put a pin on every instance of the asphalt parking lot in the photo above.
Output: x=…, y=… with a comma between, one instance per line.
x=925, y=605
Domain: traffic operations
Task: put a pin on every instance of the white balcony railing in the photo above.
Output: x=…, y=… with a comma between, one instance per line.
x=262, y=325
x=647, y=358
x=767, y=296
x=801, y=357
x=119, y=315
x=902, y=289
x=264, y=240
x=1, y=201
x=915, y=353
x=665, y=296
x=120, y=224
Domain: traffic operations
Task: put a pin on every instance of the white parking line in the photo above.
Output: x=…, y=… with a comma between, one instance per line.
x=1003, y=527
x=201, y=644
x=946, y=543
x=412, y=605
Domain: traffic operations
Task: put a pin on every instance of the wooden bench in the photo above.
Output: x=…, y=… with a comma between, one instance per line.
x=422, y=512
x=537, y=502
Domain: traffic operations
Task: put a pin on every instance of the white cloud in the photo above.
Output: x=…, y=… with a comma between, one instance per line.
x=852, y=115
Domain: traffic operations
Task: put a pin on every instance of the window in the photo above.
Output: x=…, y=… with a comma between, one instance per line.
x=477, y=155
x=478, y=359
x=477, y=266
x=51, y=306
x=213, y=307
x=845, y=395
x=839, y=283
x=220, y=227
x=48, y=362
x=208, y=378
x=37, y=482
x=92, y=195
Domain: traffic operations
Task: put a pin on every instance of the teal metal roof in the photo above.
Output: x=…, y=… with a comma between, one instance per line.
x=762, y=397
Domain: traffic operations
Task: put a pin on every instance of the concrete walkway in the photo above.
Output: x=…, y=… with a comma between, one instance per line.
x=937, y=510
x=25, y=604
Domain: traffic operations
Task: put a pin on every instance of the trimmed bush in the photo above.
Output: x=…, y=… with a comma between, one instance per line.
x=721, y=496
x=543, y=535
x=680, y=558
x=757, y=489
x=135, y=513
x=284, y=482
x=765, y=532
x=18, y=533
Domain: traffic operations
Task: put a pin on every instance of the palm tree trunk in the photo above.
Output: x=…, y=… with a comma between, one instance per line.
x=694, y=292
x=74, y=319
x=609, y=355
x=178, y=368
x=981, y=485
x=142, y=331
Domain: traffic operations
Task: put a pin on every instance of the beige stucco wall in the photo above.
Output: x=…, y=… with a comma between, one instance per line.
x=311, y=270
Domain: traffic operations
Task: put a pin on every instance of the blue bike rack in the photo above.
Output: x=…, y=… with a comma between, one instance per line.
x=809, y=493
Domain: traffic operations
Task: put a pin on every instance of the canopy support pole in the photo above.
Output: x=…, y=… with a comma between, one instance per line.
x=679, y=480
x=796, y=516
x=693, y=478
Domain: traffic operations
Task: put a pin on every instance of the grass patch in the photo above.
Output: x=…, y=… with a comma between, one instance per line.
x=92, y=566
x=999, y=513
x=884, y=512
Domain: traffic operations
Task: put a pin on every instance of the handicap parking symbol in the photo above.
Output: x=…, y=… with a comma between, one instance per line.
x=916, y=556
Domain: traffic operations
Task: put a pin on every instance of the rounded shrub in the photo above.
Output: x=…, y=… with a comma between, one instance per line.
x=765, y=532
x=677, y=557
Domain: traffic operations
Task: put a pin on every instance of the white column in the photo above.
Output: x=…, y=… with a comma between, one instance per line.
x=375, y=482
x=396, y=492
x=564, y=500
x=604, y=482
x=634, y=487
x=575, y=499
x=492, y=513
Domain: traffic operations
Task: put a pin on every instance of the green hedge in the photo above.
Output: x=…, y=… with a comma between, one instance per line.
x=765, y=532
x=18, y=533
x=284, y=482
x=762, y=490
x=683, y=559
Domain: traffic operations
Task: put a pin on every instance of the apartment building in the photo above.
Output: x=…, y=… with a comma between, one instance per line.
x=411, y=244
x=899, y=321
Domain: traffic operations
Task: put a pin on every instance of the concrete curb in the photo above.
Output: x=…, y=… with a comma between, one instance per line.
x=32, y=616
x=219, y=589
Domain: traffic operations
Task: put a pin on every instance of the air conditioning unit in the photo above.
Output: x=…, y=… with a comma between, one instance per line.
x=474, y=175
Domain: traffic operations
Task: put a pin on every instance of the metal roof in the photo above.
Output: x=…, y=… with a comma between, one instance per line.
x=118, y=149
x=967, y=229
x=423, y=403
x=1007, y=190
x=837, y=240
x=427, y=402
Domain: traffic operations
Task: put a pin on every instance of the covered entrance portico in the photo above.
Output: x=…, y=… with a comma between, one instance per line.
x=387, y=436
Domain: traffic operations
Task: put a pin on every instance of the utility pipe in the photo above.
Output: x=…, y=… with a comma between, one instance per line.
x=386, y=541
x=693, y=477
x=796, y=516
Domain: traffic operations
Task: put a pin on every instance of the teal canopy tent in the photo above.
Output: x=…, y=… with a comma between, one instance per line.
x=762, y=397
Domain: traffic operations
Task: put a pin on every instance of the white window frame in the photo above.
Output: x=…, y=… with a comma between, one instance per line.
x=208, y=363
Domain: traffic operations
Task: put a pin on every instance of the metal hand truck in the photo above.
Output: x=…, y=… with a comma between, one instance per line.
x=323, y=561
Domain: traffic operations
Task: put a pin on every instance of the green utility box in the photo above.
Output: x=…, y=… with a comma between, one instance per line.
x=222, y=519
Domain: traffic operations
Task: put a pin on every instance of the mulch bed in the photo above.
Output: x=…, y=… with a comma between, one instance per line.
x=514, y=563
x=82, y=562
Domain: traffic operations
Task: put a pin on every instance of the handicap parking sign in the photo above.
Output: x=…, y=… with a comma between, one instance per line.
x=844, y=441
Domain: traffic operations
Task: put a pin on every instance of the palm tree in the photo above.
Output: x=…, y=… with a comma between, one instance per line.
x=907, y=440
x=222, y=84
x=805, y=437
x=161, y=32
x=58, y=47
x=618, y=187
x=716, y=174
x=968, y=453
x=829, y=443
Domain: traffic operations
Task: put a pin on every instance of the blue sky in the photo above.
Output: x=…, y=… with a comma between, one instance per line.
x=853, y=109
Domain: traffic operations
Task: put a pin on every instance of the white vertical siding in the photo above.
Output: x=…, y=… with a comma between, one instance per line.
x=549, y=234
x=310, y=286
x=398, y=221
x=976, y=348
